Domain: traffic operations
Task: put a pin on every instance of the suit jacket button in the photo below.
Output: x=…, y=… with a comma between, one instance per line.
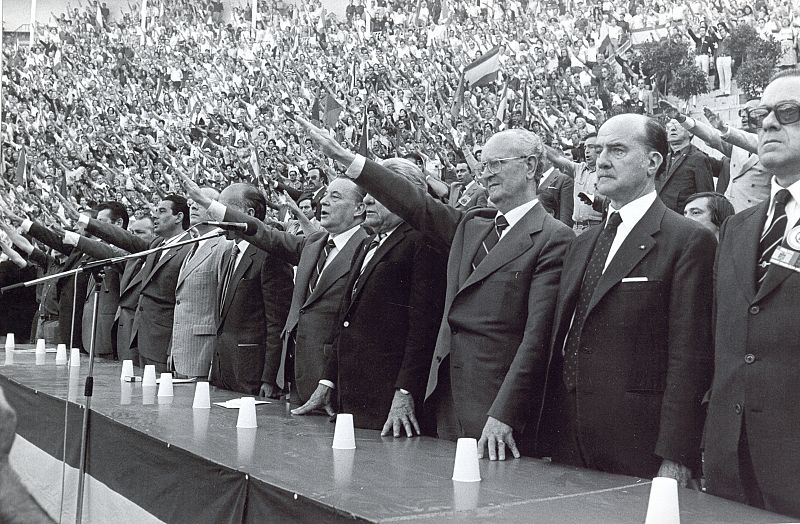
x=302, y=311
x=177, y=302
x=738, y=409
x=346, y=323
x=749, y=358
x=754, y=310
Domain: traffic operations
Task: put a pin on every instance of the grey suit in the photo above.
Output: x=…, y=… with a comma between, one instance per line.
x=196, y=309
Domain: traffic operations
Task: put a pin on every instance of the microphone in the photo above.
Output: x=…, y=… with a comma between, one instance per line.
x=240, y=227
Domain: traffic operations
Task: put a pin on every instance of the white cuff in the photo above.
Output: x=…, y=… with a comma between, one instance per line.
x=689, y=123
x=83, y=220
x=26, y=225
x=71, y=238
x=327, y=383
x=355, y=168
x=216, y=211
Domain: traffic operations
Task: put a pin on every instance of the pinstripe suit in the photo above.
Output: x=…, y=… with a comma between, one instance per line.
x=196, y=312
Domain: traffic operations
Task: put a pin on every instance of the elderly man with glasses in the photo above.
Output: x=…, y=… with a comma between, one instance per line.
x=488, y=370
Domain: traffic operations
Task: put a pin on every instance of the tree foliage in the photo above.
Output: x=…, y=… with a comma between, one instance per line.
x=756, y=58
x=674, y=71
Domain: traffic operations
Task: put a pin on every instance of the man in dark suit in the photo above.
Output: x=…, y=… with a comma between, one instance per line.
x=466, y=192
x=323, y=263
x=752, y=451
x=559, y=189
x=254, y=296
x=688, y=170
x=631, y=355
x=151, y=331
x=389, y=316
x=503, y=270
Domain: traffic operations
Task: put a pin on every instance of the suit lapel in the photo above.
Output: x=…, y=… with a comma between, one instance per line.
x=676, y=163
x=307, y=263
x=340, y=266
x=191, y=264
x=475, y=231
x=380, y=254
x=241, y=269
x=748, y=234
x=637, y=244
x=516, y=242
x=748, y=164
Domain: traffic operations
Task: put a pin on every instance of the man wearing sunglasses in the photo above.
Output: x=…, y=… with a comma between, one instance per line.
x=752, y=450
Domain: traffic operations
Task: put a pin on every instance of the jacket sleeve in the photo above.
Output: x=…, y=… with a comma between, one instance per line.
x=280, y=244
x=276, y=292
x=47, y=237
x=116, y=236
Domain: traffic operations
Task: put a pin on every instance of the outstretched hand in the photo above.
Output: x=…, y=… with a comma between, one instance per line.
x=326, y=143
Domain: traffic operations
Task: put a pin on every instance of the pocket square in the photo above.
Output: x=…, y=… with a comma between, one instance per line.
x=635, y=279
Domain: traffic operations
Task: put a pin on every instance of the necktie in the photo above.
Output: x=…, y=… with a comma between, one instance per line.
x=323, y=257
x=491, y=240
x=228, y=274
x=370, y=249
x=594, y=270
x=773, y=236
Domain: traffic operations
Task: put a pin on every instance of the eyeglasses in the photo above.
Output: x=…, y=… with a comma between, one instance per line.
x=494, y=165
x=786, y=112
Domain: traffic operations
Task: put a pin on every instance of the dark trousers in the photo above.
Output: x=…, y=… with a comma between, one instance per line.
x=161, y=367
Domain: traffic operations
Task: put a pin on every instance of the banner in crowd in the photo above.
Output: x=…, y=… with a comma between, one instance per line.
x=484, y=69
x=648, y=34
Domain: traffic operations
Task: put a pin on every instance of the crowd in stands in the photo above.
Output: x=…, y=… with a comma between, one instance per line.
x=98, y=109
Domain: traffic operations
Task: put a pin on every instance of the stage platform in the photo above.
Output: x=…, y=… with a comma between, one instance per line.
x=153, y=459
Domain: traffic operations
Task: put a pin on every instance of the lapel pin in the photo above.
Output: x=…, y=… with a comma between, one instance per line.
x=641, y=247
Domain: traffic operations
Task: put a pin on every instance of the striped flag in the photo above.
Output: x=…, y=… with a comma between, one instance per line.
x=484, y=69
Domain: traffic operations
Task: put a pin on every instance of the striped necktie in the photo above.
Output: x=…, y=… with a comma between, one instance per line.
x=376, y=242
x=491, y=240
x=228, y=274
x=773, y=236
x=323, y=257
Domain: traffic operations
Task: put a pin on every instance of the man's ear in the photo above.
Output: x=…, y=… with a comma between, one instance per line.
x=654, y=162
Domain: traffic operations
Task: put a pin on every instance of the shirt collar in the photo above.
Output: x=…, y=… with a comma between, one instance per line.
x=545, y=175
x=794, y=189
x=342, y=238
x=516, y=214
x=468, y=186
x=633, y=211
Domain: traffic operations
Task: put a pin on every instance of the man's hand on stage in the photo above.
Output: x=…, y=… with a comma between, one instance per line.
x=320, y=399
x=269, y=391
x=497, y=436
x=401, y=415
x=326, y=143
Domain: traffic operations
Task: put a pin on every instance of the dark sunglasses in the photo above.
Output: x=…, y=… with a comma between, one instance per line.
x=786, y=112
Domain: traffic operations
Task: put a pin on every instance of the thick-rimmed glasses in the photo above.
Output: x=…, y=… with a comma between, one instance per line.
x=786, y=112
x=494, y=165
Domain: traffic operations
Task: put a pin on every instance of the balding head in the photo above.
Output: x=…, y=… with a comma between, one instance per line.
x=245, y=198
x=511, y=161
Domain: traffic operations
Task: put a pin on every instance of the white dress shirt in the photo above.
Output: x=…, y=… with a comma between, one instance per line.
x=792, y=206
x=631, y=213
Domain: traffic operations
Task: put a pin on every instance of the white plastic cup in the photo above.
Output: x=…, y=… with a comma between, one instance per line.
x=202, y=397
x=466, y=467
x=149, y=378
x=247, y=413
x=10, y=342
x=127, y=369
x=663, y=507
x=165, y=387
x=75, y=358
x=61, y=354
x=41, y=355
x=344, y=436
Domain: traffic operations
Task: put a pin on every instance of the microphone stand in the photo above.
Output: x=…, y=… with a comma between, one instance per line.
x=97, y=268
